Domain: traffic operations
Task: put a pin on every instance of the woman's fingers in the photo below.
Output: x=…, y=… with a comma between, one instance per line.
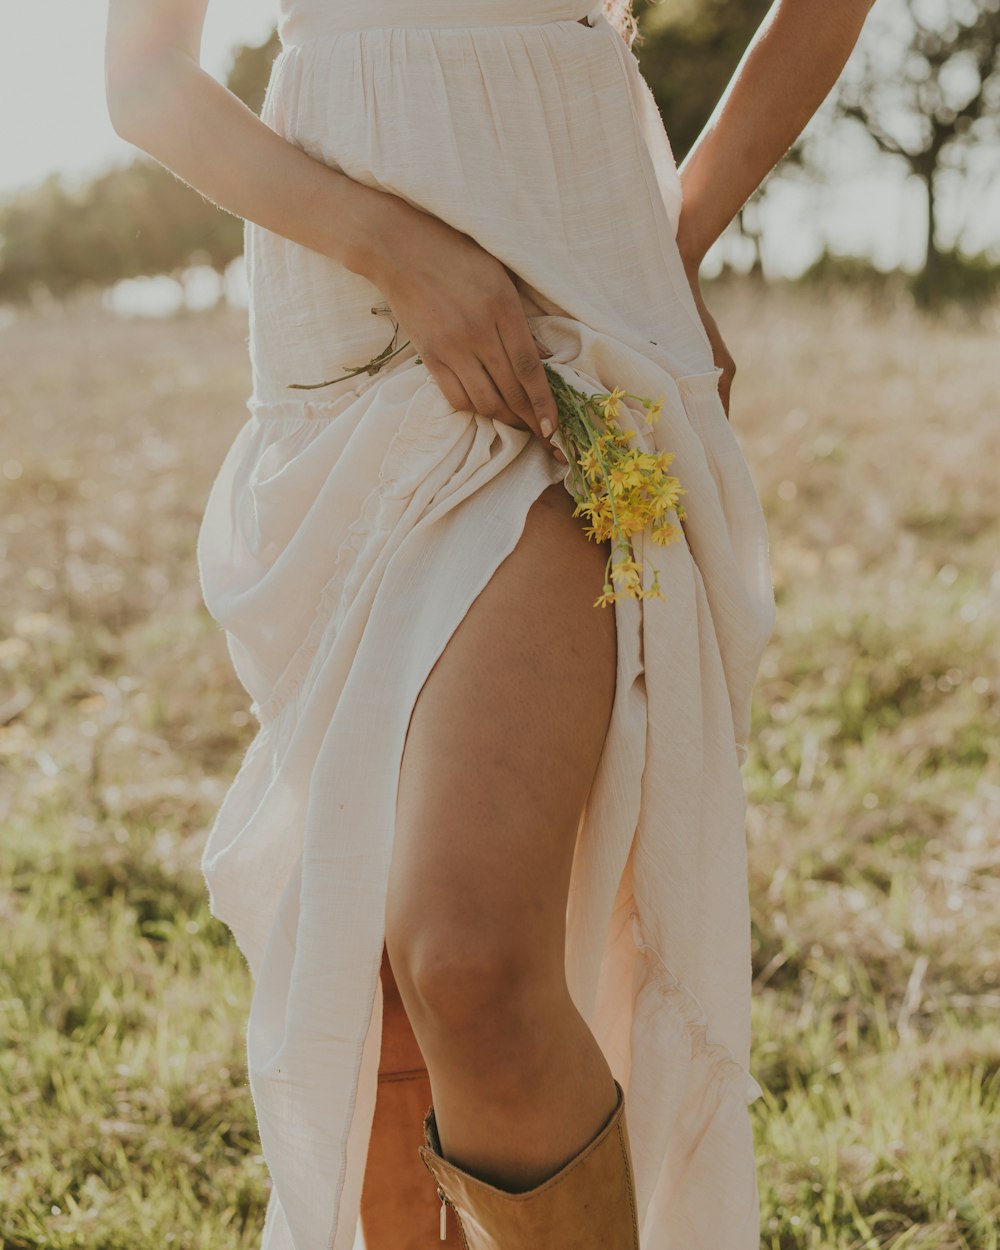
x=477, y=383
x=486, y=399
x=724, y=359
x=543, y=351
x=516, y=379
x=497, y=364
x=720, y=352
x=527, y=373
x=448, y=383
x=726, y=386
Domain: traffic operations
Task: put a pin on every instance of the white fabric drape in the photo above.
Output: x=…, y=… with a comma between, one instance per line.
x=349, y=529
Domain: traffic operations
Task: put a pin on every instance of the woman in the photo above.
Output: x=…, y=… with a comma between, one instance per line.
x=486, y=849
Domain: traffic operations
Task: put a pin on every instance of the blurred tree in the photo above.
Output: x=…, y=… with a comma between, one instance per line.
x=927, y=90
x=688, y=50
x=251, y=69
x=134, y=221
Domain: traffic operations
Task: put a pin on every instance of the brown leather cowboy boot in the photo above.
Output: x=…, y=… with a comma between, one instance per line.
x=398, y=1209
x=589, y=1204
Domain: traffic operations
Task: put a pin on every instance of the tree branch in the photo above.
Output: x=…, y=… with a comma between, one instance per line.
x=882, y=137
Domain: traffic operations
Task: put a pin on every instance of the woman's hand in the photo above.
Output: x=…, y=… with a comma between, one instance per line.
x=720, y=352
x=458, y=306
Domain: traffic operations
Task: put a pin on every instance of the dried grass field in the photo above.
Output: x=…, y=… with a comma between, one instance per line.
x=874, y=781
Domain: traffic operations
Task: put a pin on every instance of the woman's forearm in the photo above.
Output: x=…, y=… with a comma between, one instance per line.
x=785, y=74
x=181, y=116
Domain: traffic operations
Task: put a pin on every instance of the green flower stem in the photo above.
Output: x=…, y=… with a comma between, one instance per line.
x=371, y=368
x=574, y=405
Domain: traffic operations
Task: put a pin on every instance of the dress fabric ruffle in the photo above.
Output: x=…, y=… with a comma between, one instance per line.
x=348, y=531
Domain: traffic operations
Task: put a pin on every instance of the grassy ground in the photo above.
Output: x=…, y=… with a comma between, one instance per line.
x=874, y=783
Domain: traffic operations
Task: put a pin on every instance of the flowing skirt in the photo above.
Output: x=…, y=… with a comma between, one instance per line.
x=349, y=529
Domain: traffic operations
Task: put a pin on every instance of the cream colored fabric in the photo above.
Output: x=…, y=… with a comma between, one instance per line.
x=349, y=529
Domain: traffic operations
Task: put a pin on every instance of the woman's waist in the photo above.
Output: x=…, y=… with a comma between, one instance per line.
x=303, y=21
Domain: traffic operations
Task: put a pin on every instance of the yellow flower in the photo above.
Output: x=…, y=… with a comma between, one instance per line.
x=627, y=571
x=665, y=534
x=588, y=461
x=618, y=479
x=654, y=408
x=633, y=474
x=619, y=489
x=611, y=404
x=630, y=519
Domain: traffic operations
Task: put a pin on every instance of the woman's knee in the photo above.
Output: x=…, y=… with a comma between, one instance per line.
x=470, y=981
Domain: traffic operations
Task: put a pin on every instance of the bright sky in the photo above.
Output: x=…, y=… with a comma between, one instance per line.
x=52, y=97
x=52, y=81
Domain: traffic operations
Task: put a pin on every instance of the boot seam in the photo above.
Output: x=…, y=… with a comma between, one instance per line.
x=630, y=1187
x=461, y=1226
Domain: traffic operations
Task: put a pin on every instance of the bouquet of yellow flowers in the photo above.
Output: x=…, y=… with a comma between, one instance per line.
x=620, y=489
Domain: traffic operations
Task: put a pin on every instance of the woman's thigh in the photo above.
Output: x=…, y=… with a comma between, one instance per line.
x=501, y=751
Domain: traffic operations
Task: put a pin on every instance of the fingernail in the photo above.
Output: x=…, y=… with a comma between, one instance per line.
x=547, y=427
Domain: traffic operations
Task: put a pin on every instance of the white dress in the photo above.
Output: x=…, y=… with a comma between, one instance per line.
x=349, y=529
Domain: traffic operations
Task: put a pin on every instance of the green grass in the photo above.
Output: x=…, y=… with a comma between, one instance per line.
x=874, y=783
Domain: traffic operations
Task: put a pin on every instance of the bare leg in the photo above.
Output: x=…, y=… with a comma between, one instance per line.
x=502, y=749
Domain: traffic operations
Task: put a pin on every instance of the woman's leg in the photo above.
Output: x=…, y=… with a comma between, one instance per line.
x=502, y=748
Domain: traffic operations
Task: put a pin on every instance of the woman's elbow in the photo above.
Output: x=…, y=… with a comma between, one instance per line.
x=133, y=88
x=124, y=72
x=117, y=101
x=141, y=47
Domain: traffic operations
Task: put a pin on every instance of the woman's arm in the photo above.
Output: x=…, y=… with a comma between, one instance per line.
x=457, y=303
x=160, y=100
x=785, y=74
